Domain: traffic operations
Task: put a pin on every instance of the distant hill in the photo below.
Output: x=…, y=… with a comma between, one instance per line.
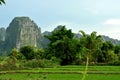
x=113, y=41
x=44, y=40
x=77, y=36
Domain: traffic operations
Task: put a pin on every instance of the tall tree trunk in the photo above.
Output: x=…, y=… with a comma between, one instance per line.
x=86, y=69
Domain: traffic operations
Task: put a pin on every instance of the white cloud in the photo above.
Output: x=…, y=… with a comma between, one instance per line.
x=112, y=28
x=112, y=22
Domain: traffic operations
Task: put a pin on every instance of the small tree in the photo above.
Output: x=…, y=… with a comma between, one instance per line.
x=117, y=49
x=28, y=52
x=90, y=43
x=106, y=48
x=16, y=54
x=39, y=53
x=62, y=46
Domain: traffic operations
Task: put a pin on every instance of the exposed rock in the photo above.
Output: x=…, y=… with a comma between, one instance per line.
x=22, y=31
x=2, y=34
x=2, y=39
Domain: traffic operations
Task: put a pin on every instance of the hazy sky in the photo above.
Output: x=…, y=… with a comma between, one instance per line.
x=102, y=16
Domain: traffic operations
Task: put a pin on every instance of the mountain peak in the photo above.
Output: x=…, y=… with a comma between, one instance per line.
x=22, y=31
x=59, y=27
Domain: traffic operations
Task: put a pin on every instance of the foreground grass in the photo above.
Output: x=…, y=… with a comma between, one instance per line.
x=63, y=73
x=79, y=77
x=58, y=77
x=70, y=69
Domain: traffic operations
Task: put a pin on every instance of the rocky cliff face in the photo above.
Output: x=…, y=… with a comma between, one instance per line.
x=22, y=31
x=2, y=34
x=2, y=38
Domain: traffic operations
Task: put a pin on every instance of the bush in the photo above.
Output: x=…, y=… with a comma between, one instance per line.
x=117, y=63
x=9, y=63
x=39, y=63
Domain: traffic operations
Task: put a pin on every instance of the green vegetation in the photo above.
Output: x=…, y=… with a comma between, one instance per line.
x=91, y=44
x=51, y=63
x=62, y=46
x=2, y=2
x=59, y=77
x=93, y=55
x=64, y=73
x=64, y=49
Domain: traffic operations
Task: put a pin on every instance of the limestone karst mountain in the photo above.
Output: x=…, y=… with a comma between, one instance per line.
x=22, y=31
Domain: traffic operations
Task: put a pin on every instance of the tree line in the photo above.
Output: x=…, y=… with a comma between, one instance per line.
x=67, y=50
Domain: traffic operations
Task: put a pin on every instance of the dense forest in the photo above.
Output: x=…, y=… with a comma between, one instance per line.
x=22, y=45
x=64, y=49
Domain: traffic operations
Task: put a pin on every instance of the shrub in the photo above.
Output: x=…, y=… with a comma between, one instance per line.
x=35, y=63
x=9, y=63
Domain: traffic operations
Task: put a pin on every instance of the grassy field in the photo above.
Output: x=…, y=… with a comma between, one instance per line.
x=63, y=73
x=58, y=77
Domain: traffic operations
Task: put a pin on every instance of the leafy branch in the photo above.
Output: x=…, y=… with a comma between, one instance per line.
x=2, y=2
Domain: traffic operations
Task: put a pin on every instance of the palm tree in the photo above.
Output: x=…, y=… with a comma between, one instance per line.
x=90, y=43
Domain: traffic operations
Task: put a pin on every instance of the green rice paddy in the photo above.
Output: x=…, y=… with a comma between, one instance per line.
x=63, y=73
